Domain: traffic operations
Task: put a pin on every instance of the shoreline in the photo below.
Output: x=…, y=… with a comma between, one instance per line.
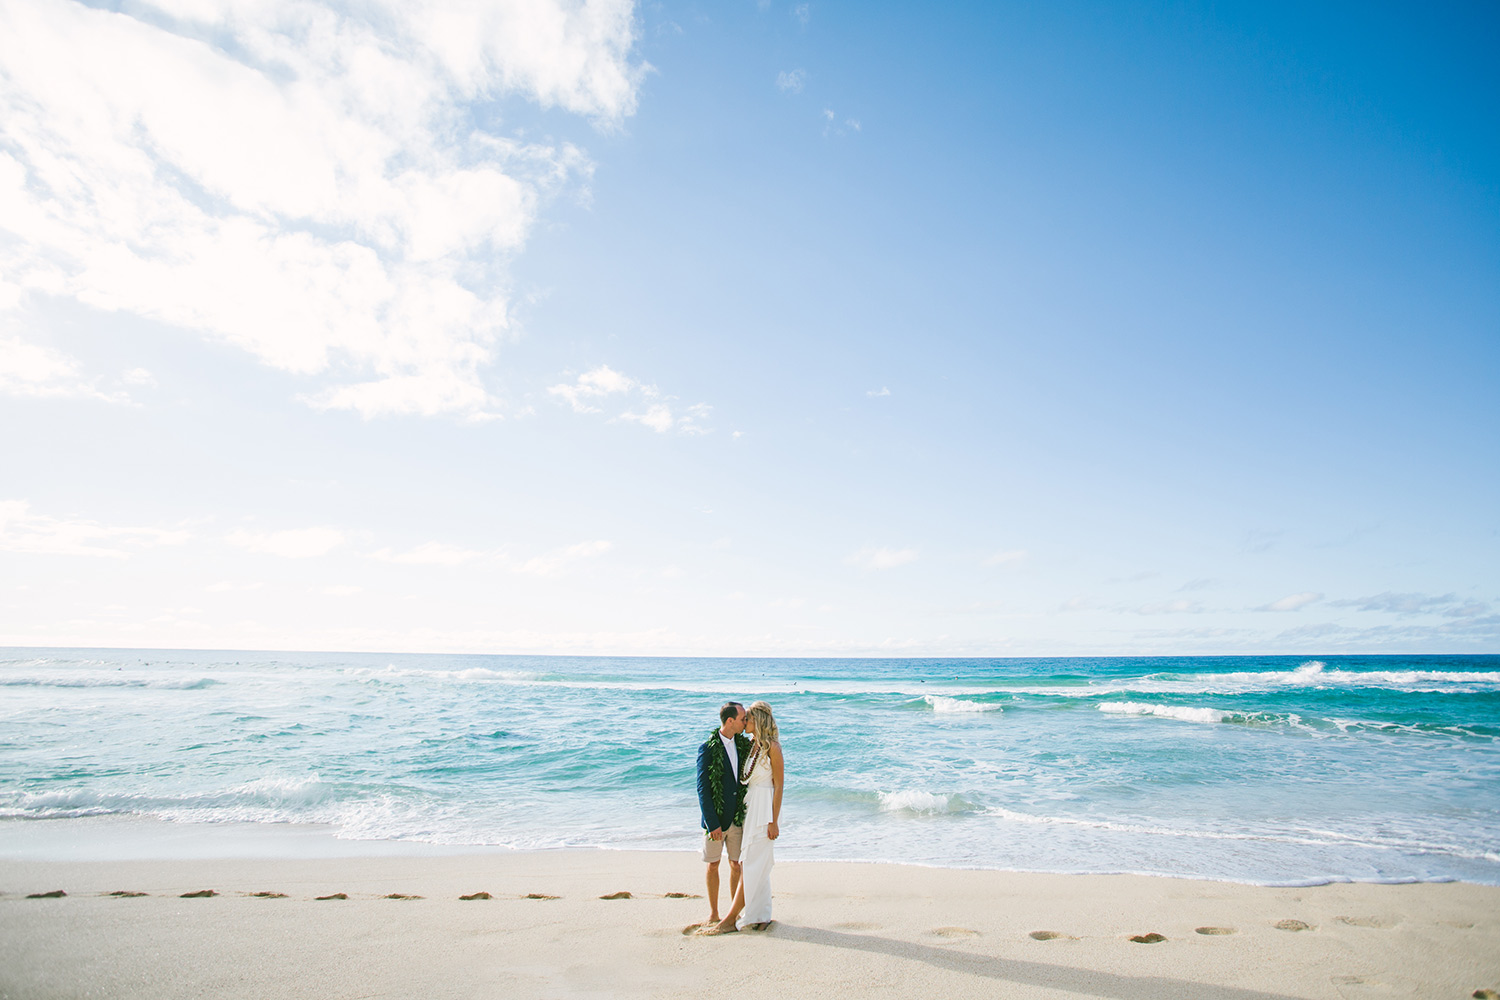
x=121, y=837
x=111, y=837
x=842, y=929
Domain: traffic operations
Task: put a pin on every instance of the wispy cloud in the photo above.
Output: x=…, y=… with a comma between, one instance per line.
x=589, y=392
x=558, y=561
x=594, y=385
x=833, y=126
x=1450, y=605
x=428, y=554
x=1005, y=557
x=342, y=590
x=23, y=531
x=28, y=369
x=300, y=180
x=293, y=543
x=791, y=81
x=1480, y=632
x=881, y=558
x=875, y=393
x=1260, y=540
x=1179, y=606
x=1292, y=602
x=802, y=12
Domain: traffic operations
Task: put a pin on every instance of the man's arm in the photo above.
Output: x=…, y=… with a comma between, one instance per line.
x=706, y=805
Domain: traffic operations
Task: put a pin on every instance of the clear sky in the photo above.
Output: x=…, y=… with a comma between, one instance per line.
x=750, y=328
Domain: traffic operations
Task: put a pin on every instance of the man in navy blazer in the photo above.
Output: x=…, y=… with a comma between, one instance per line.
x=721, y=799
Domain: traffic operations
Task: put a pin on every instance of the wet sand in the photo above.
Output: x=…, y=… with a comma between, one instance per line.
x=539, y=925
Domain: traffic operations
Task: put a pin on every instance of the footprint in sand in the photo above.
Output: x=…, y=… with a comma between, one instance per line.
x=54, y=894
x=1150, y=937
x=856, y=925
x=680, y=895
x=539, y=895
x=477, y=895
x=1380, y=923
x=337, y=895
x=398, y=895
x=1047, y=935
x=618, y=895
x=1292, y=925
x=1486, y=995
x=268, y=895
x=124, y=894
x=200, y=894
x=953, y=932
x=1214, y=930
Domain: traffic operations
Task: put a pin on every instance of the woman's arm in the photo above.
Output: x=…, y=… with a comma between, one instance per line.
x=772, y=830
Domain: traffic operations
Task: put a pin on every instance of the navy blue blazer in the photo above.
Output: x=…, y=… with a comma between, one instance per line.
x=720, y=815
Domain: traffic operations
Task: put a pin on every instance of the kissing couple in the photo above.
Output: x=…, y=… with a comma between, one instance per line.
x=739, y=795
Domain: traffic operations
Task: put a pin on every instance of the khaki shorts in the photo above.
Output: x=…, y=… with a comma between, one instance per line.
x=714, y=849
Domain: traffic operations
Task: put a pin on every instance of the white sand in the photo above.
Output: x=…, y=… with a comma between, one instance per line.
x=841, y=929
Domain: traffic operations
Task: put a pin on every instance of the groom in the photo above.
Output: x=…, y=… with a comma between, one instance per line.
x=721, y=799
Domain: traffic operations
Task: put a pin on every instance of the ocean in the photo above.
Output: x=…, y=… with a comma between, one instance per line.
x=1261, y=769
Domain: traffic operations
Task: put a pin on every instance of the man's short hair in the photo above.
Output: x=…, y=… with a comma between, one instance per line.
x=731, y=710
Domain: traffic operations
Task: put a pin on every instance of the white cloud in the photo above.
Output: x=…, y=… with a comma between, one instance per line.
x=879, y=558
x=791, y=81
x=595, y=384
x=428, y=554
x=1400, y=603
x=294, y=543
x=1005, y=556
x=28, y=369
x=554, y=563
x=1175, y=607
x=831, y=125
x=802, y=12
x=656, y=411
x=1292, y=602
x=873, y=393
x=300, y=180
x=23, y=531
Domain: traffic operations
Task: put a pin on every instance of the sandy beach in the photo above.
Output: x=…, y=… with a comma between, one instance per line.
x=841, y=929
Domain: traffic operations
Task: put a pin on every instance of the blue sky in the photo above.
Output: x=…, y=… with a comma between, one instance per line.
x=737, y=328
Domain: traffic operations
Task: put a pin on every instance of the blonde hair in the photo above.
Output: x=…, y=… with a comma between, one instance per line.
x=766, y=734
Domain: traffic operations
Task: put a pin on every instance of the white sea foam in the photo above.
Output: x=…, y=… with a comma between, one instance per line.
x=104, y=681
x=926, y=803
x=1167, y=711
x=1306, y=837
x=943, y=705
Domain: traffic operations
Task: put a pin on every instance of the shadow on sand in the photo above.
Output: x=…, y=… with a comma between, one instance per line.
x=1085, y=982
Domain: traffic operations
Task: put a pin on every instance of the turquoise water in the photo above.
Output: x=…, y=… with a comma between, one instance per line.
x=1258, y=769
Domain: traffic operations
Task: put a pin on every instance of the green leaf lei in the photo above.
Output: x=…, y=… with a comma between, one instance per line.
x=718, y=773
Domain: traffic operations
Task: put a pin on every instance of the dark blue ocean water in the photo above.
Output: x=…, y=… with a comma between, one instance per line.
x=1261, y=769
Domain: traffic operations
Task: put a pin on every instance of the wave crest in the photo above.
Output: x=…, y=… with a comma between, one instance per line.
x=1182, y=712
x=924, y=803
x=957, y=706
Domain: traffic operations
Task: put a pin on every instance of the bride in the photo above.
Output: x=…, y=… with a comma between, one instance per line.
x=762, y=777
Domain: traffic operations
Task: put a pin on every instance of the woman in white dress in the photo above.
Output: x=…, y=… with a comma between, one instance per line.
x=761, y=774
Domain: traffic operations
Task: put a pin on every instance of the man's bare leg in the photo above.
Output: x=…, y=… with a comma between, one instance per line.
x=713, y=887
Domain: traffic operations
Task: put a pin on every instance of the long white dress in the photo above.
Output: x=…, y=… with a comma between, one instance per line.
x=757, y=855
